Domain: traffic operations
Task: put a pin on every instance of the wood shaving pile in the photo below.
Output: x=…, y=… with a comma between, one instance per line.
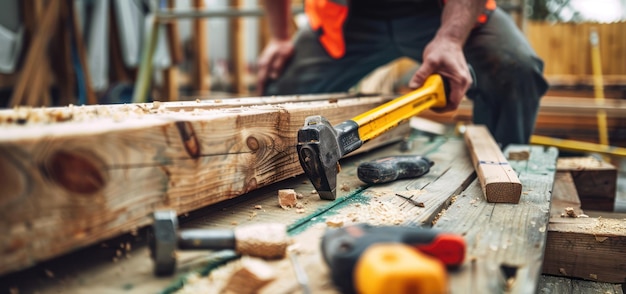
x=376, y=213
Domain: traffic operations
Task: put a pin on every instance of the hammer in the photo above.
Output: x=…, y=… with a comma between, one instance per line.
x=259, y=240
x=320, y=145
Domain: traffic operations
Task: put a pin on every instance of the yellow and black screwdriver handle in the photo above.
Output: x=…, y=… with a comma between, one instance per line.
x=320, y=145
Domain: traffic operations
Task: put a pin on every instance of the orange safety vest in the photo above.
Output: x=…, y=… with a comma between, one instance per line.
x=330, y=15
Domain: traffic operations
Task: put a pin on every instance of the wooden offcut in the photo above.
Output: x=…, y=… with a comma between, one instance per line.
x=579, y=246
x=105, y=169
x=249, y=278
x=287, y=198
x=498, y=179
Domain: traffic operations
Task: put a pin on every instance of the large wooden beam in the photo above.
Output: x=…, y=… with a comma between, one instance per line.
x=102, y=173
x=497, y=178
x=582, y=247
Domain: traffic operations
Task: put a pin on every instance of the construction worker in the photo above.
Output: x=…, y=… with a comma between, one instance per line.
x=346, y=40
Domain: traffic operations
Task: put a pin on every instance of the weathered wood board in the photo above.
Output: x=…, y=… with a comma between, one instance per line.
x=105, y=169
x=558, y=285
x=505, y=241
x=583, y=247
x=497, y=234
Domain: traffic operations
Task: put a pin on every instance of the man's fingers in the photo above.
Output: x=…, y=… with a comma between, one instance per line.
x=420, y=75
x=276, y=66
x=263, y=71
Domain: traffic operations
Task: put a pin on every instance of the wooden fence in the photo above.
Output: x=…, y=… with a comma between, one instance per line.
x=566, y=50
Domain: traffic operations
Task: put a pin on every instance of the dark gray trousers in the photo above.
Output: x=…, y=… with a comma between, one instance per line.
x=509, y=80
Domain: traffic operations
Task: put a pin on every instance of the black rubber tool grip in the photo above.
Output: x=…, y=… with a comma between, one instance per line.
x=392, y=168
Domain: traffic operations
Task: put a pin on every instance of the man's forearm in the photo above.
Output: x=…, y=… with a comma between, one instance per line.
x=278, y=15
x=459, y=18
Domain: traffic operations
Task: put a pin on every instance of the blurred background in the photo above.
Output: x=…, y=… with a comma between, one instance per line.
x=61, y=52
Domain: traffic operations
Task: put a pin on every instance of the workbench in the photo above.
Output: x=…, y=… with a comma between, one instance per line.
x=505, y=242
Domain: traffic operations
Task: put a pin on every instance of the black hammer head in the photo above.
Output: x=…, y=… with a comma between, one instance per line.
x=319, y=155
x=163, y=241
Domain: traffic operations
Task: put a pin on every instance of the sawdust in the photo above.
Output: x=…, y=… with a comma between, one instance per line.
x=375, y=213
x=438, y=216
x=25, y=115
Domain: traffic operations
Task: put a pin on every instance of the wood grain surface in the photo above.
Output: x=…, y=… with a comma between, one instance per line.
x=102, y=173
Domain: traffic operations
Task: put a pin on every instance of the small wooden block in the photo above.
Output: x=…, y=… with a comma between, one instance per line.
x=250, y=278
x=287, y=198
x=497, y=178
x=595, y=180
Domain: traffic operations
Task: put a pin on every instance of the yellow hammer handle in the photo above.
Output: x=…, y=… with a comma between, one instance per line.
x=387, y=116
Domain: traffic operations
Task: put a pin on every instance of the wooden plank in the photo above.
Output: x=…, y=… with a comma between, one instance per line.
x=171, y=84
x=101, y=174
x=65, y=76
x=595, y=180
x=561, y=117
x=558, y=285
x=170, y=75
x=35, y=56
x=118, y=72
x=200, y=71
x=237, y=52
x=505, y=243
x=81, y=51
x=582, y=247
x=497, y=178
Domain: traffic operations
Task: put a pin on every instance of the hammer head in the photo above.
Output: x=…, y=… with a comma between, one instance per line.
x=163, y=241
x=319, y=154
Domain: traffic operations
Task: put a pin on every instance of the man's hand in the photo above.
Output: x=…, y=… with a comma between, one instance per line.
x=280, y=47
x=445, y=58
x=444, y=54
x=272, y=61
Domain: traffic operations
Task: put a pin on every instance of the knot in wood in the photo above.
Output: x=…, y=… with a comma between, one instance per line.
x=76, y=172
x=189, y=138
x=253, y=143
